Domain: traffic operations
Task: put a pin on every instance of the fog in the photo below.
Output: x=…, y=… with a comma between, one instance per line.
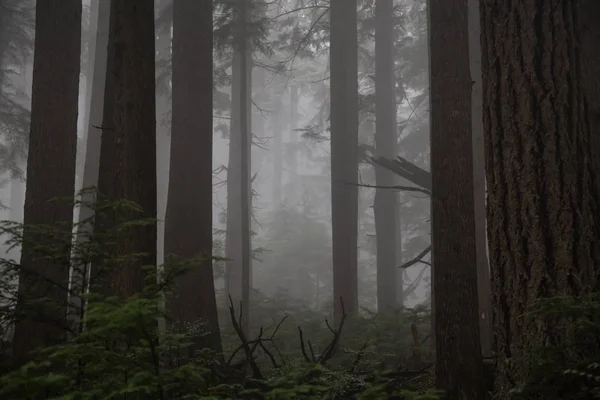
x=291, y=182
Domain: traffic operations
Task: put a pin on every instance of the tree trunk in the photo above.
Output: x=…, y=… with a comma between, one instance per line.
x=50, y=174
x=238, y=173
x=458, y=366
x=344, y=154
x=188, y=223
x=589, y=12
x=293, y=141
x=277, y=158
x=484, y=287
x=128, y=152
x=542, y=189
x=385, y=207
x=163, y=127
x=93, y=138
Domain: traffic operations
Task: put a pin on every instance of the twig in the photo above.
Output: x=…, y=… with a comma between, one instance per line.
x=359, y=356
x=302, y=347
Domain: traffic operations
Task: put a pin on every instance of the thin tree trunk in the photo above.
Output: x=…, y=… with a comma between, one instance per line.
x=50, y=174
x=458, y=367
x=277, y=158
x=188, y=223
x=484, y=285
x=93, y=138
x=542, y=190
x=163, y=127
x=344, y=154
x=238, y=178
x=128, y=152
x=293, y=143
x=385, y=207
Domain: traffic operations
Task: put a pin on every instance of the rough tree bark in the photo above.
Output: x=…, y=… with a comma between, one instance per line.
x=458, y=366
x=542, y=190
x=589, y=12
x=344, y=153
x=128, y=152
x=385, y=207
x=188, y=223
x=50, y=174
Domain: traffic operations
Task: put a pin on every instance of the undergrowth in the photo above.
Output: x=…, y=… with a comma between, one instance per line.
x=116, y=350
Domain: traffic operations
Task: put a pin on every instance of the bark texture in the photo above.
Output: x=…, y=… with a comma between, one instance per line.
x=542, y=192
x=128, y=153
x=50, y=174
x=458, y=367
x=344, y=153
x=589, y=15
x=385, y=207
x=188, y=223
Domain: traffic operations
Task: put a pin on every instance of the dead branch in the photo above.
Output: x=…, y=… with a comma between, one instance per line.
x=359, y=356
x=404, y=168
x=417, y=259
x=260, y=342
x=302, y=347
x=330, y=349
x=245, y=345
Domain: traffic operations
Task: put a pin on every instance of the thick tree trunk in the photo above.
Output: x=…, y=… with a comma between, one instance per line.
x=385, y=206
x=458, y=366
x=128, y=152
x=238, y=244
x=50, y=174
x=484, y=286
x=188, y=223
x=542, y=190
x=91, y=165
x=344, y=154
x=589, y=12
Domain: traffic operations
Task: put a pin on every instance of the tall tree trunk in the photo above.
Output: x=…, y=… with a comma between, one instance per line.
x=293, y=142
x=93, y=138
x=50, y=174
x=163, y=127
x=484, y=285
x=385, y=142
x=163, y=131
x=589, y=12
x=188, y=223
x=344, y=154
x=238, y=173
x=458, y=366
x=277, y=158
x=128, y=152
x=542, y=190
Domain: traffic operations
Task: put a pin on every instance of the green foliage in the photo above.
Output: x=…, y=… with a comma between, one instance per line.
x=117, y=351
x=569, y=369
